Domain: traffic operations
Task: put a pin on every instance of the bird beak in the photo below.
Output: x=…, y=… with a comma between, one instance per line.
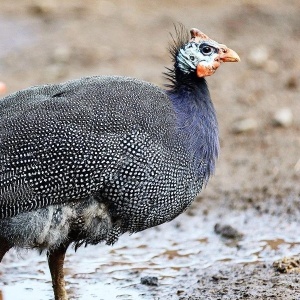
x=228, y=55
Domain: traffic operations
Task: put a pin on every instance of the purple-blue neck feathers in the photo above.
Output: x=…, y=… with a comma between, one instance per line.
x=197, y=122
x=196, y=117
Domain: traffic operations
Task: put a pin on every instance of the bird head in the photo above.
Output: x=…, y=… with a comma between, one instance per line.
x=202, y=55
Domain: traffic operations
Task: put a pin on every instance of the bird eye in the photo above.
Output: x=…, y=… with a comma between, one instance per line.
x=207, y=50
x=192, y=57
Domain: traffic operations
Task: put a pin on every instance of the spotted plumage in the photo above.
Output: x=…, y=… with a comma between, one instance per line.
x=90, y=146
x=84, y=161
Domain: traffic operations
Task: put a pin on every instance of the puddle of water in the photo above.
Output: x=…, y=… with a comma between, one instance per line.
x=168, y=252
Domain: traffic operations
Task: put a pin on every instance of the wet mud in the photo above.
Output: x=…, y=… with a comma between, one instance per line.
x=185, y=259
x=239, y=240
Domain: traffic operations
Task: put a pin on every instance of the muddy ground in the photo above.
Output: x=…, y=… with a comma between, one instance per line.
x=256, y=187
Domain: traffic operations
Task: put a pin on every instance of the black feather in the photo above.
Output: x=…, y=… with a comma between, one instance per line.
x=174, y=75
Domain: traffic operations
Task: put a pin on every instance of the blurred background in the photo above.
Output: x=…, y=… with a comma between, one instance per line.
x=256, y=187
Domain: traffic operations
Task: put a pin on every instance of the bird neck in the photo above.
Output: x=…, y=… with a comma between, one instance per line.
x=197, y=122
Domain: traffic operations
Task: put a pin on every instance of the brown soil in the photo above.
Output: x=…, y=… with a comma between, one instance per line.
x=53, y=41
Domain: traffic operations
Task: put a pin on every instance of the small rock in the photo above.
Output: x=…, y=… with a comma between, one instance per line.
x=149, y=280
x=244, y=125
x=292, y=82
x=258, y=56
x=283, y=117
x=218, y=277
x=227, y=231
x=287, y=265
x=179, y=292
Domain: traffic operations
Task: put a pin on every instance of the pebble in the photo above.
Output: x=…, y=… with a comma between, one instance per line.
x=227, y=231
x=244, y=125
x=218, y=277
x=292, y=82
x=283, y=117
x=287, y=265
x=258, y=56
x=149, y=280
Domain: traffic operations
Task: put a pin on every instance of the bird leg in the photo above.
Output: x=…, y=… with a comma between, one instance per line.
x=4, y=247
x=56, y=263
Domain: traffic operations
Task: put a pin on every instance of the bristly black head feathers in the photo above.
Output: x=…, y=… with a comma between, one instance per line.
x=181, y=38
x=174, y=75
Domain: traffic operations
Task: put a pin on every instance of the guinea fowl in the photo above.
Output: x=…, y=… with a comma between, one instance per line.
x=85, y=161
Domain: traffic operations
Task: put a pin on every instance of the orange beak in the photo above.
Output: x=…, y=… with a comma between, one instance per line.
x=228, y=55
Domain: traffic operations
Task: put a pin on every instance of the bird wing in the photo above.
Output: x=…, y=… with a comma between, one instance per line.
x=65, y=142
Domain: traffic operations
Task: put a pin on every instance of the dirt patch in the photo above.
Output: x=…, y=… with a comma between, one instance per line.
x=258, y=173
x=258, y=281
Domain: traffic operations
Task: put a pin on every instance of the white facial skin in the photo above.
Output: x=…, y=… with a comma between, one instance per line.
x=203, y=57
x=193, y=54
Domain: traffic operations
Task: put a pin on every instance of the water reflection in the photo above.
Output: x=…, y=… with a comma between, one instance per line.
x=168, y=252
